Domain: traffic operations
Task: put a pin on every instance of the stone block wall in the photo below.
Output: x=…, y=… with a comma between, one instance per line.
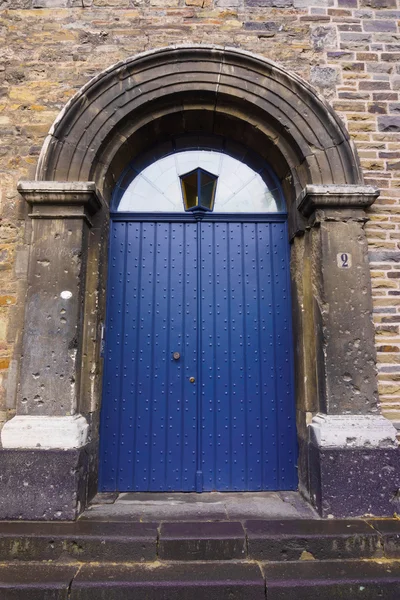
x=349, y=50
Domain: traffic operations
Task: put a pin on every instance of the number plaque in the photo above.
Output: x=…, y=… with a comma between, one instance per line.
x=343, y=260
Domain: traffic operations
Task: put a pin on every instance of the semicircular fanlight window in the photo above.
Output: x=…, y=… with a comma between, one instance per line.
x=237, y=187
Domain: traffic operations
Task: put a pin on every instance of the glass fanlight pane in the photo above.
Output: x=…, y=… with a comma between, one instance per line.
x=187, y=179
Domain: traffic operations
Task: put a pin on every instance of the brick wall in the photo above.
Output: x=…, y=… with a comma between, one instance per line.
x=348, y=49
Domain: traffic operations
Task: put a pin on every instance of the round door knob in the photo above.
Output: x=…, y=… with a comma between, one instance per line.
x=192, y=379
x=176, y=356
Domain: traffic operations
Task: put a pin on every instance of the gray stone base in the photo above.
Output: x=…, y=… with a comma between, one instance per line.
x=50, y=485
x=348, y=482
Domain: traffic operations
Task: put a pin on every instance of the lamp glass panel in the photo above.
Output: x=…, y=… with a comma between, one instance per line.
x=208, y=184
x=190, y=190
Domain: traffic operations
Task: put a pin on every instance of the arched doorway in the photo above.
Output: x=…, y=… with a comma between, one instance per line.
x=121, y=115
x=198, y=377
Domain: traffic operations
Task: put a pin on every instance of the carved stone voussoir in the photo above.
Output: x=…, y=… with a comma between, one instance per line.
x=335, y=198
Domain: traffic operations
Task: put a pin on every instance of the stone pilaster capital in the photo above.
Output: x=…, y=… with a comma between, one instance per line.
x=61, y=200
x=335, y=198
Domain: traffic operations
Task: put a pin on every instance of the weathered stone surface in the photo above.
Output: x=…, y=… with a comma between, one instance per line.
x=44, y=484
x=376, y=25
x=304, y=333
x=30, y=431
x=202, y=541
x=321, y=540
x=323, y=37
x=52, y=343
x=379, y=3
x=389, y=123
x=323, y=77
x=339, y=318
x=217, y=580
x=36, y=582
x=390, y=532
x=335, y=196
x=269, y=3
x=203, y=59
x=82, y=541
x=352, y=431
x=189, y=507
x=50, y=3
x=352, y=483
x=312, y=580
x=384, y=256
x=347, y=326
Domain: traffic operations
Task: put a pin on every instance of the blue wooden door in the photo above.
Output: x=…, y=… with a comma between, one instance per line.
x=198, y=391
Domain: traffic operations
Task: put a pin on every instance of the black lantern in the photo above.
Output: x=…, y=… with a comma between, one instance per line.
x=198, y=189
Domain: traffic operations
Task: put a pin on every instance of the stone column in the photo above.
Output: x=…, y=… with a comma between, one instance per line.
x=348, y=451
x=44, y=455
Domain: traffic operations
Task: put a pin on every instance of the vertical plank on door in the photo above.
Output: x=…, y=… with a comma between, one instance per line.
x=112, y=361
x=130, y=356
x=189, y=333
x=252, y=347
x=267, y=328
x=181, y=400
x=286, y=421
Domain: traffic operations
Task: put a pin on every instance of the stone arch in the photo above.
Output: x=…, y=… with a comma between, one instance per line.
x=123, y=110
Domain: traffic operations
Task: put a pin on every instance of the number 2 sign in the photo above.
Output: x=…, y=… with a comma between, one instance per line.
x=343, y=260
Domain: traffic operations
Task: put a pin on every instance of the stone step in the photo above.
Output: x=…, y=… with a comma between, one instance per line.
x=202, y=541
x=321, y=540
x=212, y=580
x=36, y=581
x=171, y=581
x=332, y=580
x=80, y=541
x=289, y=540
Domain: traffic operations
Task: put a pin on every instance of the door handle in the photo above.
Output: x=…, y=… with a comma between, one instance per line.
x=176, y=356
x=192, y=379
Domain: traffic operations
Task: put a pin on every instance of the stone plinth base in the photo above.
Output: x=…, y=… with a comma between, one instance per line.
x=46, y=484
x=354, y=466
x=353, y=483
